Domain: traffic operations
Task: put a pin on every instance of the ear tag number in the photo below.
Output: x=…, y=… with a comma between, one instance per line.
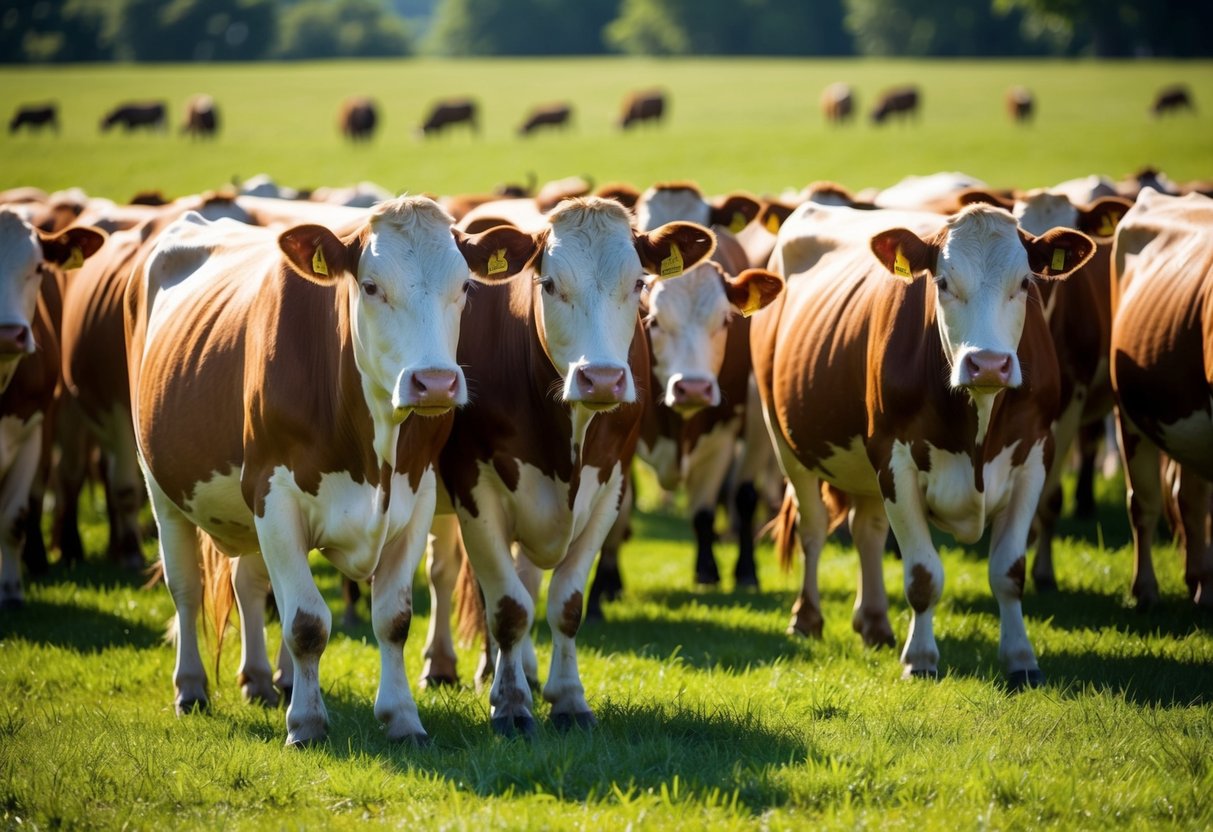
x=319, y=264
x=1059, y=259
x=497, y=262
x=901, y=266
x=672, y=265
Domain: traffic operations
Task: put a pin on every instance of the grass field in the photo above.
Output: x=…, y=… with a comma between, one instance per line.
x=710, y=716
x=734, y=124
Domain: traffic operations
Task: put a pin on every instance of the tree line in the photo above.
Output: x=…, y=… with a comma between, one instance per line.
x=54, y=31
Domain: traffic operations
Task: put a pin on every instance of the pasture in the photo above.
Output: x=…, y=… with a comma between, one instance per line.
x=709, y=715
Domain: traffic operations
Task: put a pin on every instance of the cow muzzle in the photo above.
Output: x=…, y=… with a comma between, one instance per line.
x=16, y=340
x=598, y=386
x=987, y=371
x=427, y=392
x=689, y=394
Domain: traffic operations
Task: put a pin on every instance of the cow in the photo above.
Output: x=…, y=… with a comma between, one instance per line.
x=559, y=368
x=1172, y=99
x=907, y=368
x=642, y=107
x=902, y=102
x=34, y=117
x=327, y=364
x=552, y=115
x=150, y=114
x=1162, y=375
x=1021, y=104
x=31, y=283
x=358, y=118
x=201, y=117
x=837, y=103
x=446, y=113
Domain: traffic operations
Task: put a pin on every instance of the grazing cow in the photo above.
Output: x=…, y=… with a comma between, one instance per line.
x=641, y=107
x=151, y=114
x=201, y=117
x=838, y=103
x=919, y=385
x=553, y=115
x=1162, y=375
x=560, y=373
x=1172, y=99
x=30, y=302
x=902, y=102
x=358, y=118
x=326, y=366
x=1021, y=104
x=446, y=113
x=35, y=117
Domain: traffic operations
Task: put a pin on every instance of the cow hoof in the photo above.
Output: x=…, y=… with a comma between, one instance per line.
x=593, y=613
x=1020, y=679
x=707, y=579
x=421, y=740
x=439, y=681
x=924, y=673
x=1044, y=583
x=305, y=742
x=514, y=726
x=565, y=722
x=745, y=581
x=264, y=698
x=193, y=706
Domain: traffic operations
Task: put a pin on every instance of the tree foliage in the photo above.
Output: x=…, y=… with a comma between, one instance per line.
x=344, y=29
x=468, y=28
x=198, y=30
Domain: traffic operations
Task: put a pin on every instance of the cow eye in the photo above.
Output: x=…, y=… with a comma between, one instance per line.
x=547, y=284
x=1026, y=283
x=370, y=288
x=942, y=283
x=640, y=284
x=651, y=322
x=467, y=286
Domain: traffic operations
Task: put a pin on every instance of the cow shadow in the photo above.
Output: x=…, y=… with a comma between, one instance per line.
x=75, y=627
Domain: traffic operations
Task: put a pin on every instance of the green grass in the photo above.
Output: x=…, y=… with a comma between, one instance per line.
x=709, y=714
x=734, y=124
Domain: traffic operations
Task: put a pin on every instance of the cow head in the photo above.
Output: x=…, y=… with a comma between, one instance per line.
x=983, y=266
x=1038, y=211
x=683, y=201
x=589, y=283
x=687, y=323
x=23, y=253
x=407, y=282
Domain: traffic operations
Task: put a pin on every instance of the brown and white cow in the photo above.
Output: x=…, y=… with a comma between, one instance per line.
x=1021, y=104
x=291, y=391
x=558, y=369
x=30, y=304
x=837, y=103
x=201, y=117
x=921, y=384
x=1162, y=374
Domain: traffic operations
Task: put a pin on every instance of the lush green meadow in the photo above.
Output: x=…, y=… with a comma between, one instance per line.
x=710, y=716
x=749, y=124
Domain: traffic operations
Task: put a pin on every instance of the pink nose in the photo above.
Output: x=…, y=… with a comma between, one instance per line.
x=598, y=383
x=692, y=392
x=986, y=368
x=15, y=339
x=433, y=388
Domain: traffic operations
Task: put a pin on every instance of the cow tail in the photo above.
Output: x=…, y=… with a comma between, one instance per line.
x=218, y=596
x=469, y=602
x=837, y=506
x=782, y=529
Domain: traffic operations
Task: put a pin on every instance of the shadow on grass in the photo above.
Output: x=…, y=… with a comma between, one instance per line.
x=74, y=627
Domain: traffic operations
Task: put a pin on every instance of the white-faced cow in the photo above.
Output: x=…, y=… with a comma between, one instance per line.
x=30, y=304
x=558, y=370
x=201, y=117
x=1162, y=375
x=837, y=103
x=291, y=391
x=920, y=385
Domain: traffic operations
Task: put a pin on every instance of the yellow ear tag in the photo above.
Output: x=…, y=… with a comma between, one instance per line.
x=1059, y=260
x=753, y=303
x=319, y=264
x=1108, y=227
x=75, y=260
x=497, y=262
x=739, y=222
x=772, y=223
x=672, y=265
x=901, y=266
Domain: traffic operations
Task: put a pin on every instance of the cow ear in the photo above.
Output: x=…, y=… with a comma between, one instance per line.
x=980, y=196
x=316, y=254
x=623, y=193
x=70, y=248
x=735, y=211
x=773, y=215
x=904, y=253
x=752, y=290
x=1057, y=253
x=673, y=248
x=497, y=253
x=1099, y=219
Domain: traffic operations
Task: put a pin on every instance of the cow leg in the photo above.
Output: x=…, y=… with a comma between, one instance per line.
x=306, y=620
x=251, y=583
x=608, y=583
x=124, y=497
x=1144, y=498
x=74, y=447
x=14, y=503
x=870, y=530
x=392, y=615
x=442, y=565
x=1049, y=508
x=532, y=578
x=1193, y=496
x=707, y=468
x=1089, y=437
x=807, y=619
x=1008, y=542
x=920, y=562
x=182, y=562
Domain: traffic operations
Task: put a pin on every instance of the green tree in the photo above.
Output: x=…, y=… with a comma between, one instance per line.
x=940, y=28
x=1112, y=28
x=76, y=30
x=347, y=28
x=198, y=30
x=471, y=28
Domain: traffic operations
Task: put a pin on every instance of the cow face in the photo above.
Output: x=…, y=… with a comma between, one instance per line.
x=688, y=322
x=589, y=286
x=409, y=283
x=983, y=267
x=23, y=251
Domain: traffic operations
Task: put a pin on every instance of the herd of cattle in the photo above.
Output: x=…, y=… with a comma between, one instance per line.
x=476, y=374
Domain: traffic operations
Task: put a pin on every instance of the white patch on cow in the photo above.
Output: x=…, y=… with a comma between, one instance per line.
x=953, y=502
x=1040, y=211
x=20, y=280
x=662, y=457
x=708, y=463
x=916, y=191
x=658, y=206
x=1190, y=440
x=688, y=326
x=20, y=450
x=15, y=432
